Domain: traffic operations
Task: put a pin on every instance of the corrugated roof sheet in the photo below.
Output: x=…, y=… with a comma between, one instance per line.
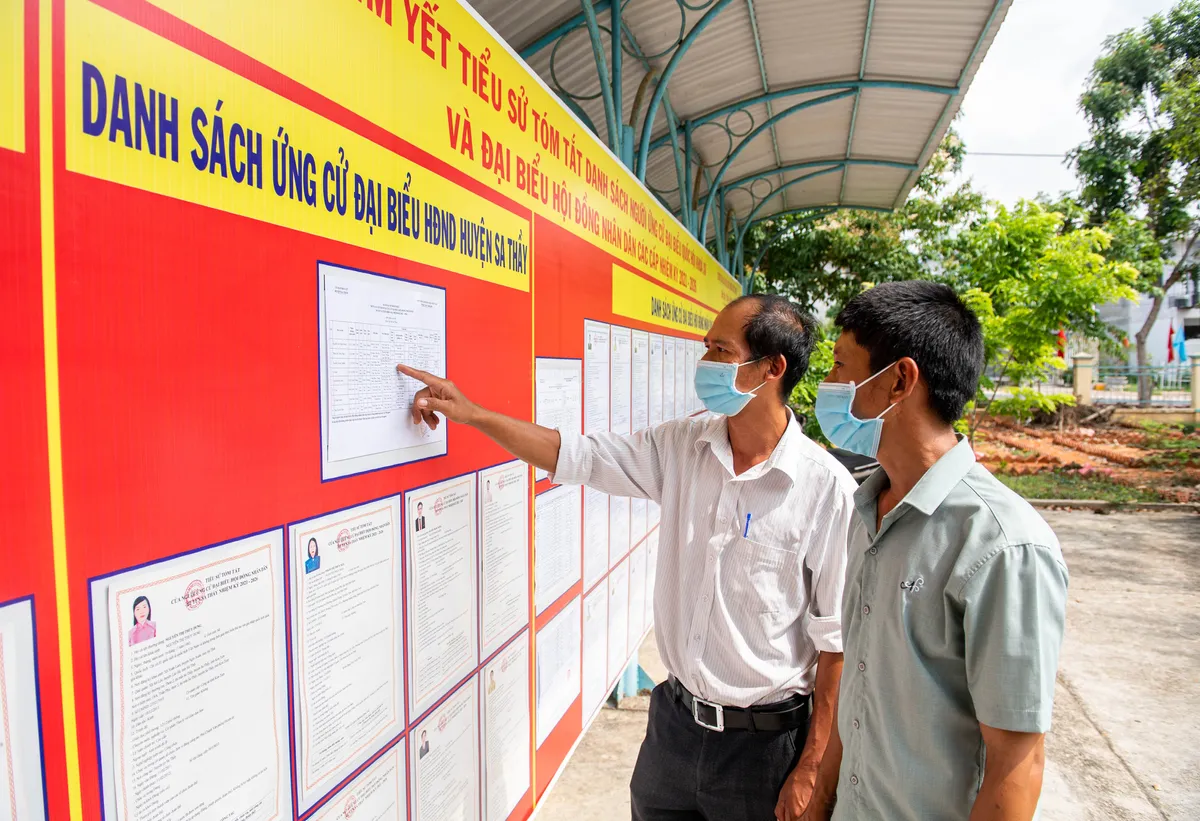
x=804, y=42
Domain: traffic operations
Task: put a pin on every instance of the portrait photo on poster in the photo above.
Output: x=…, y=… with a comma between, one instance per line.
x=22, y=756
x=367, y=323
x=347, y=633
x=199, y=635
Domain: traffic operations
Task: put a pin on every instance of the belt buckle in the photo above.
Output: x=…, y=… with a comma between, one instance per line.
x=717, y=709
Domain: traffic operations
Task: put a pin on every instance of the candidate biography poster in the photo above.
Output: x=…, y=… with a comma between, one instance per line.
x=442, y=594
x=198, y=685
x=557, y=664
x=503, y=553
x=348, y=640
x=21, y=787
x=506, y=729
x=445, y=755
x=378, y=793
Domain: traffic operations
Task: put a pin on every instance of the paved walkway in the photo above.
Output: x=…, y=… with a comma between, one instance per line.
x=1126, y=739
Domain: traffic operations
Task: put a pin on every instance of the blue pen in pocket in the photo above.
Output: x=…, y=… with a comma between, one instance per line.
x=746, y=532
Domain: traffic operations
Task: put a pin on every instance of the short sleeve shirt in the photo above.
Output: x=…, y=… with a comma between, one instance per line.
x=952, y=616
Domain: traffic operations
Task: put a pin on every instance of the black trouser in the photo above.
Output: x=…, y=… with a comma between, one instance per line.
x=687, y=773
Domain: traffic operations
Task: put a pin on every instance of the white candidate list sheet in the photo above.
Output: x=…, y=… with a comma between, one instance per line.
x=595, y=650
x=442, y=596
x=640, y=380
x=618, y=619
x=506, y=729
x=668, y=378
x=637, y=596
x=368, y=325
x=682, y=377
x=557, y=649
x=596, y=345
x=20, y=742
x=558, y=544
x=379, y=793
x=504, y=552
x=347, y=622
x=558, y=393
x=618, y=528
x=445, y=755
x=198, y=685
x=656, y=380
x=595, y=536
x=620, y=381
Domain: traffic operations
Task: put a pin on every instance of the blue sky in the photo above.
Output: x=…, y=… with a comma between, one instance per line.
x=1025, y=96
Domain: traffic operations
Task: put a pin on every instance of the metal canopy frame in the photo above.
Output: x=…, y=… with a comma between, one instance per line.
x=703, y=194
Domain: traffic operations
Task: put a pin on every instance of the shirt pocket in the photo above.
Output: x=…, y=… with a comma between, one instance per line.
x=760, y=578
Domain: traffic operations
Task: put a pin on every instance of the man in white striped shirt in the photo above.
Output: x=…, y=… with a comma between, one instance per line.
x=752, y=559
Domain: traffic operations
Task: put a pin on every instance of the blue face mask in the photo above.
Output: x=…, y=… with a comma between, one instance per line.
x=838, y=422
x=716, y=385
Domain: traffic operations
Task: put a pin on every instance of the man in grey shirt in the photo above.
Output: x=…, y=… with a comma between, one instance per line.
x=953, y=610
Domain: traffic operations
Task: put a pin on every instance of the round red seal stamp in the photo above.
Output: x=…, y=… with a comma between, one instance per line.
x=193, y=596
x=437, y=506
x=442, y=724
x=350, y=806
x=343, y=541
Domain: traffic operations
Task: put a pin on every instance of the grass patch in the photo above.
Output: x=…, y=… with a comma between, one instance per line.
x=1061, y=484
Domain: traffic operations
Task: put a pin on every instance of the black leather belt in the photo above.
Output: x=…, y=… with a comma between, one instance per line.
x=783, y=715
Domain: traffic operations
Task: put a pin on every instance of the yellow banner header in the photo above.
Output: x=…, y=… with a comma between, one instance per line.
x=637, y=298
x=12, y=75
x=146, y=113
x=436, y=76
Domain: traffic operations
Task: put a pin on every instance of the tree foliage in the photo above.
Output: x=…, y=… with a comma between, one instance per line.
x=1142, y=156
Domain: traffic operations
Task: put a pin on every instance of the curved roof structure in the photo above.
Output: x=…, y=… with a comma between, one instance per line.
x=759, y=107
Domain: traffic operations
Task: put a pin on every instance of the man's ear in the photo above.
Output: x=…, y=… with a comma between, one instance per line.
x=904, y=379
x=778, y=366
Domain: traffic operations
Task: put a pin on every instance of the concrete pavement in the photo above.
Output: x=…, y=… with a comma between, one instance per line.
x=1126, y=739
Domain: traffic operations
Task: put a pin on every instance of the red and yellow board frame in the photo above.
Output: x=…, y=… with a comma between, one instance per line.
x=161, y=327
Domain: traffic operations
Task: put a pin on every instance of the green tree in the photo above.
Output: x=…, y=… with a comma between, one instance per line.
x=1026, y=278
x=1142, y=104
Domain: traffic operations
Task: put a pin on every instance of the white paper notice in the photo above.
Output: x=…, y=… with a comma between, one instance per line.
x=596, y=348
x=445, y=755
x=379, y=793
x=199, y=693
x=621, y=409
x=348, y=627
x=20, y=742
x=618, y=528
x=640, y=380
x=618, y=619
x=595, y=536
x=504, y=552
x=558, y=538
x=656, y=381
x=682, y=377
x=637, y=596
x=595, y=650
x=440, y=520
x=559, y=396
x=506, y=729
x=558, y=647
x=369, y=324
x=669, y=377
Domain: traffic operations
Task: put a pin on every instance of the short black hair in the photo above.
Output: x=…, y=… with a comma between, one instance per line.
x=780, y=327
x=928, y=323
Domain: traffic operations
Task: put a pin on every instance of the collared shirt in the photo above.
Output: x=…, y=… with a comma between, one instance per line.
x=750, y=571
x=953, y=617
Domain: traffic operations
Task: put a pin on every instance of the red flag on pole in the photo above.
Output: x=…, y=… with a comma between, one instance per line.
x=1062, y=344
x=1171, y=344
